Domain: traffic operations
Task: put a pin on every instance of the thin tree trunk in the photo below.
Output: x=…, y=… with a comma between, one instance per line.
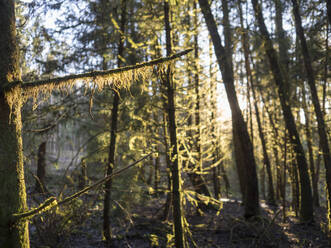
x=275, y=144
x=213, y=88
x=175, y=168
x=202, y=187
x=12, y=184
x=262, y=182
x=168, y=162
x=319, y=115
x=41, y=169
x=283, y=191
x=284, y=62
x=242, y=144
x=283, y=46
x=296, y=189
x=310, y=149
x=107, y=234
x=156, y=173
x=306, y=210
x=266, y=160
x=82, y=179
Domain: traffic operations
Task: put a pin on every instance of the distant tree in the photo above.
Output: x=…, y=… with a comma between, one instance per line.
x=266, y=160
x=306, y=201
x=317, y=107
x=243, y=148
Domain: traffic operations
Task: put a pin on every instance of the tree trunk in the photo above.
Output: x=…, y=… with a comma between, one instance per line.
x=242, y=144
x=156, y=174
x=213, y=88
x=266, y=160
x=12, y=184
x=175, y=168
x=306, y=210
x=283, y=46
x=82, y=178
x=113, y=129
x=296, y=189
x=202, y=187
x=168, y=162
x=283, y=184
x=41, y=169
x=319, y=115
x=310, y=149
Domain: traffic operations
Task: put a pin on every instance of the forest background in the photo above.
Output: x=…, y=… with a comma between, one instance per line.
x=244, y=116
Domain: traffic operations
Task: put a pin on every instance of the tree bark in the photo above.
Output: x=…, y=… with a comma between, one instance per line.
x=175, y=168
x=319, y=115
x=41, y=169
x=82, y=178
x=12, y=184
x=306, y=210
x=168, y=162
x=244, y=156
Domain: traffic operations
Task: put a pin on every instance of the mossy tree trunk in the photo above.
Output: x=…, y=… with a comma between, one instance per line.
x=174, y=166
x=12, y=184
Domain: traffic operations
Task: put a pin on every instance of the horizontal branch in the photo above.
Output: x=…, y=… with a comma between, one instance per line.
x=93, y=74
x=101, y=181
x=52, y=202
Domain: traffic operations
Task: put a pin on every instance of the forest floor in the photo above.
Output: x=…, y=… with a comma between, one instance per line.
x=142, y=227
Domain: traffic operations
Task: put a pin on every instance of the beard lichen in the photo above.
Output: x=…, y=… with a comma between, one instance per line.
x=15, y=102
x=18, y=93
x=41, y=90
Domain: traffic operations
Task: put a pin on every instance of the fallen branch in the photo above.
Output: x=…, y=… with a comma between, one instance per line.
x=52, y=201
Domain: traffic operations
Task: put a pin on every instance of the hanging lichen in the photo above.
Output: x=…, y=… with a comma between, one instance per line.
x=18, y=93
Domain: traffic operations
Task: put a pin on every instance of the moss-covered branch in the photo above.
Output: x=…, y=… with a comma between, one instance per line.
x=94, y=74
x=46, y=205
x=52, y=202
